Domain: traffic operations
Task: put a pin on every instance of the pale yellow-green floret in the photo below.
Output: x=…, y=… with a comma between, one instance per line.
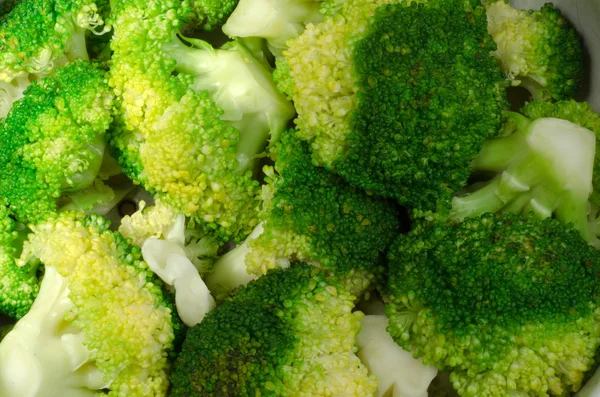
x=153, y=221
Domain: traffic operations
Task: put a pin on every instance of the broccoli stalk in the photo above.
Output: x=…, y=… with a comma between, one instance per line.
x=241, y=86
x=100, y=322
x=543, y=167
x=275, y=20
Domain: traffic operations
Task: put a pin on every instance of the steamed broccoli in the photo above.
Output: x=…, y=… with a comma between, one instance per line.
x=52, y=142
x=170, y=135
x=289, y=333
x=397, y=98
x=19, y=285
x=539, y=50
x=100, y=324
x=275, y=20
x=545, y=164
x=309, y=214
x=39, y=35
x=509, y=305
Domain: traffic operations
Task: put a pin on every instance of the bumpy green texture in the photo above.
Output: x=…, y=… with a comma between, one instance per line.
x=18, y=285
x=290, y=333
x=508, y=305
x=53, y=140
x=38, y=35
x=539, y=49
x=410, y=99
x=314, y=215
x=543, y=165
x=211, y=14
x=111, y=310
x=170, y=138
x=580, y=113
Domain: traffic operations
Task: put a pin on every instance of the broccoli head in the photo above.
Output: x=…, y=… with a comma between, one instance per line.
x=52, y=142
x=310, y=214
x=539, y=50
x=508, y=304
x=397, y=97
x=291, y=332
x=211, y=14
x=100, y=324
x=170, y=133
x=19, y=285
x=545, y=164
x=38, y=35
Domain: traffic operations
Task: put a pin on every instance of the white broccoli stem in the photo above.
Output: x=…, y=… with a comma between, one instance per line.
x=44, y=356
x=168, y=260
x=398, y=373
x=230, y=271
x=275, y=20
x=12, y=92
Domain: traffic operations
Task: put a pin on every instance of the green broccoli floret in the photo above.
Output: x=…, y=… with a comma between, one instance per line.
x=539, y=50
x=409, y=99
x=52, y=142
x=545, y=164
x=170, y=134
x=241, y=86
x=19, y=285
x=509, y=305
x=100, y=324
x=291, y=332
x=277, y=21
x=309, y=214
x=39, y=35
x=211, y=14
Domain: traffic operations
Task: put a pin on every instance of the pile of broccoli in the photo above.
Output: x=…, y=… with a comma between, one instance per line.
x=296, y=198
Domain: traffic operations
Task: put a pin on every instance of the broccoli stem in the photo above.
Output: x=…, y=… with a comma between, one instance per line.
x=84, y=179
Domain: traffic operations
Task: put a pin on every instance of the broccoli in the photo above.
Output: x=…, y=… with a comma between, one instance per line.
x=275, y=20
x=291, y=332
x=397, y=98
x=39, y=35
x=544, y=164
x=169, y=134
x=309, y=214
x=539, y=50
x=52, y=142
x=19, y=285
x=508, y=304
x=100, y=324
x=211, y=14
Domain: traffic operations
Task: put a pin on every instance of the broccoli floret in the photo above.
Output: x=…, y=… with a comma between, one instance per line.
x=241, y=86
x=540, y=50
x=309, y=214
x=39, y=35
x=211, y=14
x=100, y=324
x=169, y=136
x=52, y=142
x=19, y=285
x=397, y=98
x=291, y=331
x=277, y=21
x=508, y=304
x=544, y=164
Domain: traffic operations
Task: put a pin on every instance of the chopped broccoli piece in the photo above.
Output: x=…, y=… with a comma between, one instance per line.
x=19, y=285
x=52, y=142
x=100, y=323
x=545, y=165
x=292, y=330
x=508, y=304
x=309, y=214
x=539, y=50
x=410, y=98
